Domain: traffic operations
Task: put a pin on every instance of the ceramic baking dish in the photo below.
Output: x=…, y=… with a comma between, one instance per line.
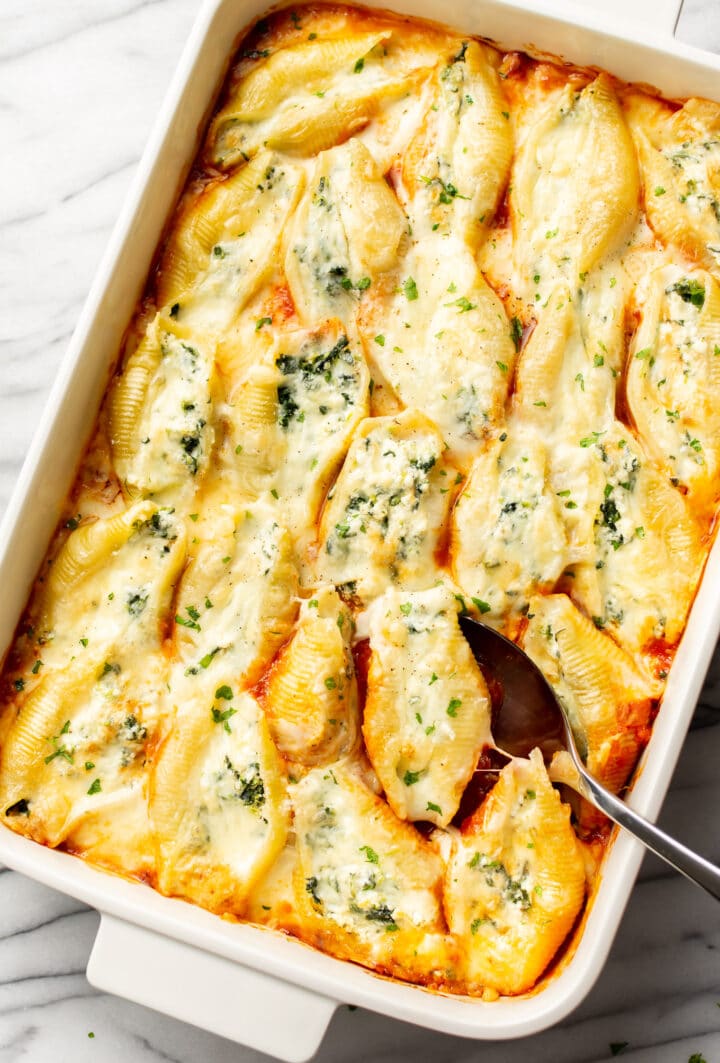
x=249, y=984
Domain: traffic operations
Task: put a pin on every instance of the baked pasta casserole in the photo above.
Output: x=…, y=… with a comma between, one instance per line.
x=434, y=330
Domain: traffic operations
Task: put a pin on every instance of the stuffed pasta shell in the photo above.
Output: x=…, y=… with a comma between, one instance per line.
x=383, y=517
x=367, y=884
x=673, y=380
x=311, y=697
x=515, y=882
x=427, y=709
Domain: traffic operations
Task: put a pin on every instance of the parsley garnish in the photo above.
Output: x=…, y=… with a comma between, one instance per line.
x=690, y=291
x=222, y=716
x=410, y=289
x=516, y=331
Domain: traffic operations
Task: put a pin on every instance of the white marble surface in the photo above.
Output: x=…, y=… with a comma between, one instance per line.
x=80, y=83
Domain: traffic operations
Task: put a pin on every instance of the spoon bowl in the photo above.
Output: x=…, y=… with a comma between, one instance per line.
x=526, y=714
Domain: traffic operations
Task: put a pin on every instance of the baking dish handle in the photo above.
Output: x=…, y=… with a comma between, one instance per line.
x=209, y=991
x=659, y=15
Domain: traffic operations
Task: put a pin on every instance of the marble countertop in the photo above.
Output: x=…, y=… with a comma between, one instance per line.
x=80, y=84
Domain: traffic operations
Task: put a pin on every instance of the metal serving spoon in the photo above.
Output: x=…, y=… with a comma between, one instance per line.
x=527, y=714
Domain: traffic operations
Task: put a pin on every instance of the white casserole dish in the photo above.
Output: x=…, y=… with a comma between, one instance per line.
x=171, y=955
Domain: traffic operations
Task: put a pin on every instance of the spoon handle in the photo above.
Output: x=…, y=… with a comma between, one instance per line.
x=684, y=860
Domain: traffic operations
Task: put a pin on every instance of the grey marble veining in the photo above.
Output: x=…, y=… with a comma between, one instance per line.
x=80, y=84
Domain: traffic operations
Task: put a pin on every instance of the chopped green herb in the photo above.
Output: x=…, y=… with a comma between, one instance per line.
x=433, y=679
x=516, y=331
x=330, y=683
x=481, y=605
x=410, y=289
x=224, y=693
x=262, y=321
x=207, y=659
x=463, y=304
x=411, y=777
x=359, y=65
x=95, y=787
x=690, y=291
x=136, y=602
x=372, y=856
x=453, y=706
x=311, y=888
x=222, y=716
x=433, y=808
